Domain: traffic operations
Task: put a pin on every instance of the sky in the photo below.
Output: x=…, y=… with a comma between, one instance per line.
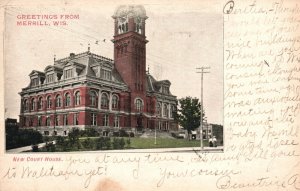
x=181, y=38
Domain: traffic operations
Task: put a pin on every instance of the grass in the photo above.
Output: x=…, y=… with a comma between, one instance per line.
x=148, y=143
x=135, y=143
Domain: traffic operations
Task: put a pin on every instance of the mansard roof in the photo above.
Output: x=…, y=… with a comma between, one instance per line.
x=154, y=85
x=36, y=72
x=52, y=67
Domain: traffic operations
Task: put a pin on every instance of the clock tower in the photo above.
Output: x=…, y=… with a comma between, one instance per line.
x=130, y=46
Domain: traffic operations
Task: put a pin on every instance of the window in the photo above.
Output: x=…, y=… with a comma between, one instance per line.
x=49, y=102
x=25, y=105
x=40, y=103
x=166, y=110
x=158, y=109
x=166, y=126
x=173, y=110
x=65, y=119
x=56, y=120
x=93, y=98
x=58, y=101
x=116, y=121
x=50, y=78
x=68, y=73
x=139, y=105
x=32, y=104
x=67, y=99
x=105, y=120
x=48, y=121
x=46, y=132
x=115, y=101
x=30, y=122
x=77, y=98
x=165, y=90
x=75, y=119
x=34, y=82
x=106, y=74
x=39, y=121
x=93, y=119
x=104, y=101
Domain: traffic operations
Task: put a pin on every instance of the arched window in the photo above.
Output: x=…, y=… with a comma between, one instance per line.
x=139, y=105
x=32, y=104
x=48, y=121
x=166, y=110
x=40, y=103
x=58, y=101
x=104, y=101
x=67, y=99
x=158, y=109
x=115, y=102
x=49, y=102
x=93, y=98
x=25, y=105
x=77, y=98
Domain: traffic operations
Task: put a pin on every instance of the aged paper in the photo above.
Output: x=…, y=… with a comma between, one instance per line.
x=261, y=62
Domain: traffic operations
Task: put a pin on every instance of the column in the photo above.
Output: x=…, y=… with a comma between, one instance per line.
x=169, y=107
x=99, y=99
x=110, y=101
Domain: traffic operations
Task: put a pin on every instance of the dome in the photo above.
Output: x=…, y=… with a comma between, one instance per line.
x=130, y=11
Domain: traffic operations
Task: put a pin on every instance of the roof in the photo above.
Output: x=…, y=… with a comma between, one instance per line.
x=130, y=11
x=154, y=85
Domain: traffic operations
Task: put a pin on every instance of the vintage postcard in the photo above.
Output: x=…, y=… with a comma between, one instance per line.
x=151, y=95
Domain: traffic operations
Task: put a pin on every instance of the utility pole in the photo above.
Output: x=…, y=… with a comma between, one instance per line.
x=201, y=120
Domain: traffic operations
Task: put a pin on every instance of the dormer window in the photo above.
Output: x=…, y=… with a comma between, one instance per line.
x=165, y=90
x=50, y=78
x=106, y=74
x=68, y=73
x=34, y=82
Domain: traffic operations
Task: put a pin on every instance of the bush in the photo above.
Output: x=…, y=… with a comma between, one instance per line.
x=90, y=132
x=88, y=143
x=103, y=143
x=50, y=147
x=22, y=137
x=107, y=143
x=118, y=143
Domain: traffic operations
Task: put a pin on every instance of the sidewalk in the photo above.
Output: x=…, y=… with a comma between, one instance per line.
x=165, y=150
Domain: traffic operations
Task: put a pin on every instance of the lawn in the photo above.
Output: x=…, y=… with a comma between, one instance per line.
x=92, y=144
x=148, y=143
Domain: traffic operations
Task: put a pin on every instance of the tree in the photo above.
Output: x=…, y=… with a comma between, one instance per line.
x=189, y=113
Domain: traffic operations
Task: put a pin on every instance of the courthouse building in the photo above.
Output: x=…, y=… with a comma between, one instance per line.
x=87, y=90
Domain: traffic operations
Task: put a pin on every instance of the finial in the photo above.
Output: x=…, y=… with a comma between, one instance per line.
x=89, y=48
x=54, y=57
x=148, y=71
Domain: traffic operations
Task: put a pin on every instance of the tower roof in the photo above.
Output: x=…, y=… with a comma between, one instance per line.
x=130, y=11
